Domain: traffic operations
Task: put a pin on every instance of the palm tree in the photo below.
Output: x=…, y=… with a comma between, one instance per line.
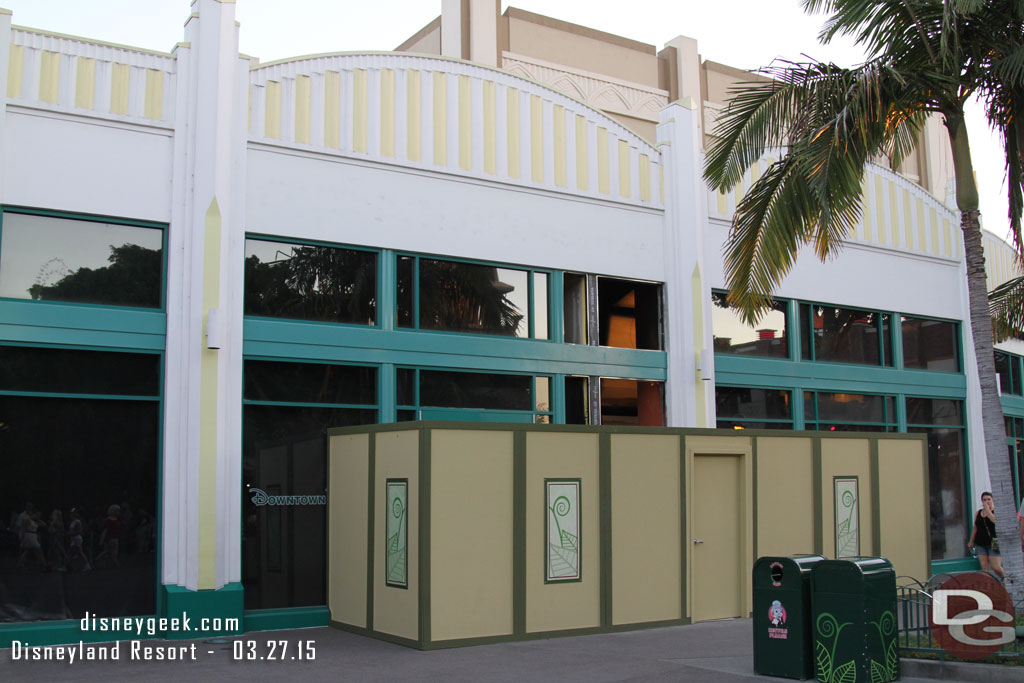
x=1006, y=304
x=925, y=57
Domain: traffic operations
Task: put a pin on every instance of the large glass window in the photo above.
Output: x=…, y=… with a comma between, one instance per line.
x=632, y=402
x=629, y=313
x=80, y=444
x=753, y=408
x=1008, y=367
x=287, y=407
x=453, y=394
x=845, y=335
x=942, y=421
x=453, y=296
x=50, y=258
x=832, y=411
x=768, y=337
x=310, y=282
x=930, y=344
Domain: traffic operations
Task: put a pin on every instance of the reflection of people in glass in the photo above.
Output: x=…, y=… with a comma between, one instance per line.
x=55, y=550
x=110, y=538
x=29, y=522
x=75, y=539
x=983, y=537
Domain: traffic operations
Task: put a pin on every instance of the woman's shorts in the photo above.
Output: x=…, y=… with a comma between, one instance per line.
x=985, y=550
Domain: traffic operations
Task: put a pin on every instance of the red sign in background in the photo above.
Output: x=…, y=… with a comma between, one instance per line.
x=946, y=635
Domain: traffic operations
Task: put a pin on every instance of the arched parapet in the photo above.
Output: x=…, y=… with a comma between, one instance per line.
x=1001, y=264
x=56, y=72
x=897, y=214
x=450, y=116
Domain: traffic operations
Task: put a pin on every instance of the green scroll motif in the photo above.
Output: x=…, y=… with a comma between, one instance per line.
x=397, y=530
x=826, y=668
x=847, y=517
x=562, y=509
x=882, y=672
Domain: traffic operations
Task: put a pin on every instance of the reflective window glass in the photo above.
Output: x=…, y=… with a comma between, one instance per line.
x=542, y=393
x=731, y=335
x=632, y=402
x=577, y=400
x=750, y=403
x=444, y=389
x=467, y=297
x=540, y=305
x=73, y=371
x=310, y=282
x=934, y=411
x=309, y=383
x=841, y=335
x=752, y=424
x=78, y=531
x=839, y=407
x=406, y=380
x=629, y=313
x=946, y=486
x=405, y=294
x=63, y=259
x=930, y=345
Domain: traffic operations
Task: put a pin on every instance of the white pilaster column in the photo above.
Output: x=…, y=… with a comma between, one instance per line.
x=690, y=394
x=202, y=436
x=5, y=53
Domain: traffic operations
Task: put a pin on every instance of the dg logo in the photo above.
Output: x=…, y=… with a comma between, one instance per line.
x=972, y=616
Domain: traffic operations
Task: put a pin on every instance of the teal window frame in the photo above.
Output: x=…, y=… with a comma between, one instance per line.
x=281, y=239
x=312, y=404
x=1015, y=364
x=805, y=325
x=792, y=334
x=957, y=337
x=791, y=422
x=888, y=423
x=531, y=295
x=417, y=406
x=95, y=218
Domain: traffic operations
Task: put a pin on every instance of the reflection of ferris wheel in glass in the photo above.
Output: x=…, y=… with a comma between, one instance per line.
x=52, y=271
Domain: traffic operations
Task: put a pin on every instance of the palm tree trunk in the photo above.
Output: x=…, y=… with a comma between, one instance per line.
x=994, y=428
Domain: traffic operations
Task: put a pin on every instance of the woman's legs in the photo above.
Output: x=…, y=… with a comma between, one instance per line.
x=983, y=559
x=997, y=566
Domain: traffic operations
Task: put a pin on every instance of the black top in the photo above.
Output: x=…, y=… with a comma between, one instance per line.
x=986, y=530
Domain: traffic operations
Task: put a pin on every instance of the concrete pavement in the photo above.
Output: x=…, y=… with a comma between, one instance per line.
x=715, y=652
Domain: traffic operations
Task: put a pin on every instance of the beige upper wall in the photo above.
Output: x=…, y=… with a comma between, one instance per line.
x=552, y=40
x=427, y=40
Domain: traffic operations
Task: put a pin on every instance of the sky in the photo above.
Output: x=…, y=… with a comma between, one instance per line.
x=760, y=31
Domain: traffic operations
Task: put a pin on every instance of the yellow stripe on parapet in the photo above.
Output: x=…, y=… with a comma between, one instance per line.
x=387, y=112
x=922, y=241
x=490, y=128
x=208, y=406
x=465, y=124
x=15, y=61
x=536, y=139
x=154, y=108
x=948, y=242
x=559, y=141
x=934, y=222
x=85, y=83
x=359, y=110
x=440, y=119
x=120, y=88
x=880, y=210
x=582, y=160
x=624, y=175
x=603, y=173
x=512, y=105
x=49, y=77
x=866, y=213
x=908, y=223
x=894, y=214
x=697, y=301
x=303, y=106
x=414, y=114
x=645, y=178
x=272, y=110
x=721, y=203
x=332, y=109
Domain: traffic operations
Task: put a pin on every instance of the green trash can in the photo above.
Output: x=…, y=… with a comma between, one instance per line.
x=854, y=606
x=782, y=616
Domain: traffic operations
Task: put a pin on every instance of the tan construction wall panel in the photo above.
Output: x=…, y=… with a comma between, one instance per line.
x=902, y=484
x=396, y=610
x=845, y=458
x=562, y=605
x=347, y=520
x=646, y=555
x=471, y=534
x=785, y=506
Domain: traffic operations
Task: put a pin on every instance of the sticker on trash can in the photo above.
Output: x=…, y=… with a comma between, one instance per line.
x=777, y=618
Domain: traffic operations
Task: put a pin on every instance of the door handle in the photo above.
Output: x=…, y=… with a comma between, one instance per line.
x=697, y=541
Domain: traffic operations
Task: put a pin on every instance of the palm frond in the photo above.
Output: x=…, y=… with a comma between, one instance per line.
x=1006, y=305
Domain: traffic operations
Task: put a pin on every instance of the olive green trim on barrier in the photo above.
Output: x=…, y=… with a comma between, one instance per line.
x=519, y=534
x=876, y=501
x=283, y=618
x=818, y=531
x=606, y=429
x=604, y=460
x=493, y=640
x=683, y=533
x=372, y=472
x=423, y=584
x=753, y=475
x=928, y=497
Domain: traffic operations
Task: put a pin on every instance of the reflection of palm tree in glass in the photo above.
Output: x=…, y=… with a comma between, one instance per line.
x=466, y=297
x=132, y=279
x=314, y=283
